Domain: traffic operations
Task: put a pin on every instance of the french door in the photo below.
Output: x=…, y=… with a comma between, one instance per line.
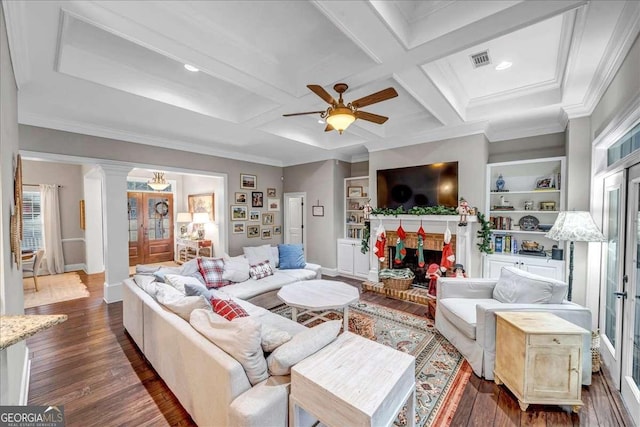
x=150, y=227
x=620, y=316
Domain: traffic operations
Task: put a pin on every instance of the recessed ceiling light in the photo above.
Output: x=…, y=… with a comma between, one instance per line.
x=191, y=68
x=503, y=65
x=321, y=121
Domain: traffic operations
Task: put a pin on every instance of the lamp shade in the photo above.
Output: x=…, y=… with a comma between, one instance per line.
x=575, y=226
x=200, y=218
x=183, y=217
x=340, y=118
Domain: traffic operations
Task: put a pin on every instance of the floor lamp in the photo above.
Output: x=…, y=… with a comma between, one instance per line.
x=574, y=226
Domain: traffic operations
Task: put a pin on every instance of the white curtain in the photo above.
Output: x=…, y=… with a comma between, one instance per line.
x=52, y=233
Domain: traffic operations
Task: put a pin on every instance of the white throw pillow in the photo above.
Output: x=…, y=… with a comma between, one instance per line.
x=301, y=346
x=273, y=337
x=236, y=269
x=178, y=281
x=257, y=254
x=519, y=286
x=167, y=288
x=180, y=304
x=240, y=338
x=146, y=283
x=275, y=256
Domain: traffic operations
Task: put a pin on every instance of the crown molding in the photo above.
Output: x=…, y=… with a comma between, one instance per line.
x=16, y=24
x=542, y=125
x=616, y=51
x=104, y=132
x=620, y=124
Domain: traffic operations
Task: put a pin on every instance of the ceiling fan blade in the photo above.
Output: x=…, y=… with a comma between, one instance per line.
x=301, y=114
x=329, y=128
x=380, y=96
x=375, y=118
x=319, y=90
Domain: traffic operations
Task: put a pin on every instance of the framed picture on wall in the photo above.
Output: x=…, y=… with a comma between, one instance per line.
x=277, y=229
x=241, y=198
x=238, y=227
x=254, y=215
x=253, y=231
x=267, y=218
x=257, y=199
x=266, y=233
x=273, y=204
x=202, y=203
x=317, y=210
x=248, y=182
x=238, y=213
x=271, y=192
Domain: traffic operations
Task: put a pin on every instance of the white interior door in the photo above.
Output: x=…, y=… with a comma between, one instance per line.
x=294, y=215
x=630, y=299
x=612, y=274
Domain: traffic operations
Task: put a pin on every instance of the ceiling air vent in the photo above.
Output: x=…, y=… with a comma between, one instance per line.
x=480, y=59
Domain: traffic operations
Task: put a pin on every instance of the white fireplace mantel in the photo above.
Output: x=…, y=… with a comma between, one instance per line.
x=431, y=224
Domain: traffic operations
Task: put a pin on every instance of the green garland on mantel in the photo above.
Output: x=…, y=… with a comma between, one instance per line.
x=416, y=210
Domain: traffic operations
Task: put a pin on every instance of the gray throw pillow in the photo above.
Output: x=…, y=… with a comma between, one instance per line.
x=519, y=286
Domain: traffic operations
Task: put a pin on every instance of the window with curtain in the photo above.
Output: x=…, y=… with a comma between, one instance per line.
x=32, y=221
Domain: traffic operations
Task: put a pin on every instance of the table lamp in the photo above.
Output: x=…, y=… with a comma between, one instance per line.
x=574, y=226
x=200, y=219
x=183, y=218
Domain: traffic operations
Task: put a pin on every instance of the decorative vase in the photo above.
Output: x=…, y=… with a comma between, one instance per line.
x=500, y=183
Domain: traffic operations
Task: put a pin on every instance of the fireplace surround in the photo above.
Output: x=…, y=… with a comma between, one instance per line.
x=434, y=226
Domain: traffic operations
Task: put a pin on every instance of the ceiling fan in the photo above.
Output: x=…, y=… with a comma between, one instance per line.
x=339, y=116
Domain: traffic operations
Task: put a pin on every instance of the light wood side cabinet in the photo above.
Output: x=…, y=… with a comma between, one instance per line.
x=539, y=358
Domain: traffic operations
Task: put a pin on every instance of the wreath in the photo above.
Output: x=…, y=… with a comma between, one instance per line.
x=162, y=208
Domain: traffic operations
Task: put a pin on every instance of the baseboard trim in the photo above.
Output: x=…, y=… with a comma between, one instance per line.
x=112, y=292
x=331, y=272
x=26, y=376
x=75, y=267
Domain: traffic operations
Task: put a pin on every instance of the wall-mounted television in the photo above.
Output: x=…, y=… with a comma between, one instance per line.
x=426, y=185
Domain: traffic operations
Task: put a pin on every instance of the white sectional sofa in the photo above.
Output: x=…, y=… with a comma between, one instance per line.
x=211, y=385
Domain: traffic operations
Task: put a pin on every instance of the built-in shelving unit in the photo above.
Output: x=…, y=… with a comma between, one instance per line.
x=524, y=208
x=356, y=195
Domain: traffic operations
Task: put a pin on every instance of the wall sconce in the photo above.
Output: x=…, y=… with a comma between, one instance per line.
x=199, y=220
x=183, y=218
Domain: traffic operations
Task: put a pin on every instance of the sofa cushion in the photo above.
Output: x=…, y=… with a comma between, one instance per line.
x=253, y=287
x=257, y=254
x=260, y=270
x=146, y=283
x=192, y=269
x=275, y=256
x=291, y=256
x=462, y=313
x=273, y=337
x=240, y=338
x=228, y=309
x=180, y=304
x=179, y=281
x=163, y=271
x=300, y=274
x=302, y=346
x=519, y=286
x=212, y=269
x=236, y=269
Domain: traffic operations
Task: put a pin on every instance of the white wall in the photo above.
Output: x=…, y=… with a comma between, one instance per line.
x=12, y=359
x=471, y=153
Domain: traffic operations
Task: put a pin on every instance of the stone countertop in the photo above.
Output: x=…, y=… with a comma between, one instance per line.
x=16, y=328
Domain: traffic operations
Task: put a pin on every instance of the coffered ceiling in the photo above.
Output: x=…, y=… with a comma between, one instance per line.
x=116, y=69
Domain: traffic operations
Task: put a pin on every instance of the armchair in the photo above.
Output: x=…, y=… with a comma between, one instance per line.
x=466, y=310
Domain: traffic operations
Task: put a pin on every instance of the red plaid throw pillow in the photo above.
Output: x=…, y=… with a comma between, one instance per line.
x=211, y=270
x=227, y=309
x=260, y=270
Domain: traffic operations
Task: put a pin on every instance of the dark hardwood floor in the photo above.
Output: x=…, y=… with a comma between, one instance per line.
x=92, y=367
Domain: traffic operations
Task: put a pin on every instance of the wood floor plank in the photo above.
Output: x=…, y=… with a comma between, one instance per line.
x=90, y=365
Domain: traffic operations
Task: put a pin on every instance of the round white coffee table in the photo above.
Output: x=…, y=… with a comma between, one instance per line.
x=319, y=296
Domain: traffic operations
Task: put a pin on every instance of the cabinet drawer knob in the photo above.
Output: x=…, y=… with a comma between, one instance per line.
x=555, y=340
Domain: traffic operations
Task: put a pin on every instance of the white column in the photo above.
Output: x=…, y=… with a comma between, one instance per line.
x=94, y=254
x=115, y=230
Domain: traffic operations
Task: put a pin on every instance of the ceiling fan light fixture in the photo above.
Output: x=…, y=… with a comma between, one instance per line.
x=340, y=118
x=158, y=183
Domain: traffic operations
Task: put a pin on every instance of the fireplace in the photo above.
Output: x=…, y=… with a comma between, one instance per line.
x=432, y=251
x=434, y=226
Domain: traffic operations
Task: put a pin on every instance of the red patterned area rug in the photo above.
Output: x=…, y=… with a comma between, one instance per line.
x=441, y=372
